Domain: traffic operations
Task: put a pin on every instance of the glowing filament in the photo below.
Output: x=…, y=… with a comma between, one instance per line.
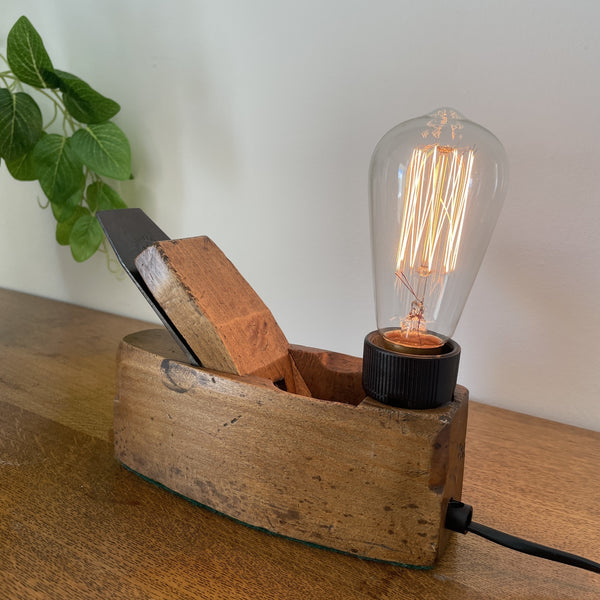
x=436, y=189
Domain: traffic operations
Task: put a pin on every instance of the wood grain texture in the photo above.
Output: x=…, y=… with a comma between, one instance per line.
x=53, y=360
x=76, y=524
x=222, y=318
x=371, y=480
x=330, y=375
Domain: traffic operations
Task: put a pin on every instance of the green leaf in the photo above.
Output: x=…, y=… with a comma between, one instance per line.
x=104, y=148
x=27, y=56
x=63, y=229
x=20, y=124
x=63, y=211
x=22, y=168
x=83, y=102
x=101, y=196
x=57, y=167
x=86, y=237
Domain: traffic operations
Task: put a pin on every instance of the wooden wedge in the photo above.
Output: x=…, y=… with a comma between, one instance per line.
x=221, y=317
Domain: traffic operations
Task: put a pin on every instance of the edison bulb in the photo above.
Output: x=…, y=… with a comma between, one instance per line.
x=436, y=188
x=437, y=184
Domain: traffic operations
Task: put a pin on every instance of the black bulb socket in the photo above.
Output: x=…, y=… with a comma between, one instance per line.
x=408, y=380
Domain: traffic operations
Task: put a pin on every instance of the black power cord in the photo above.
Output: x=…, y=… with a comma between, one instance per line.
x=459, y=518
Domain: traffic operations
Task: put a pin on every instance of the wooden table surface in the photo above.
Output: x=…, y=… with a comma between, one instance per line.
x=75, y=524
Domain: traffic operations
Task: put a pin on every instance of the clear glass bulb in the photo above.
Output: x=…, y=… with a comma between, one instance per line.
x=437, y=184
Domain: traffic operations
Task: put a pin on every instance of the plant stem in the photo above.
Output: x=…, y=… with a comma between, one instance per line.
x=59, y=106
x=10, y=85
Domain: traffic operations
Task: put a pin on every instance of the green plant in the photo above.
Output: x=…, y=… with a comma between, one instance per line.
x=70, y=159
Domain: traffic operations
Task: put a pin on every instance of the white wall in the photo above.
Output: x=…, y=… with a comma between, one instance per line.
x=254, y=121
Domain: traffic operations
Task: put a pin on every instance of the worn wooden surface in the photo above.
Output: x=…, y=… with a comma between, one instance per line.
x=370, y=480
x=76, y=524
x=221, y=317
x=328, y=375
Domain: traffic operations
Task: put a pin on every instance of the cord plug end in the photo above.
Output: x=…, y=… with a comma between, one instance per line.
x=458, y=516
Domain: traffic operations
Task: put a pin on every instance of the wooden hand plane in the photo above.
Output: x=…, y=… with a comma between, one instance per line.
x=277, y=436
